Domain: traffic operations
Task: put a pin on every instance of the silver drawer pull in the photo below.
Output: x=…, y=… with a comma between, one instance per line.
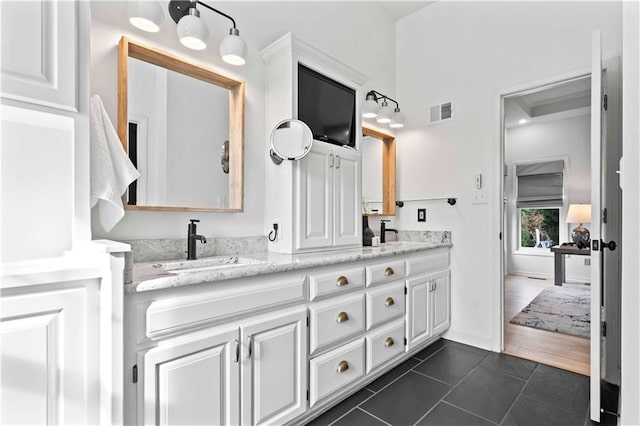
x=342, y=281
x=343, y=366
x=389, y=342
x=388, y=272
x=342, y=317
x=389, y=302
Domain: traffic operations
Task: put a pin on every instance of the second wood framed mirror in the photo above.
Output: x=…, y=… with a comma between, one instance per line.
x=378, y=151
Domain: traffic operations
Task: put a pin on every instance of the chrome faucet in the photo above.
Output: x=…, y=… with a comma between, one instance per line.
x=384, y=230
x=191, y=239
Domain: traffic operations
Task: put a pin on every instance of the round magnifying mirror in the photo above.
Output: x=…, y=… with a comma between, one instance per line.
x=290, y=140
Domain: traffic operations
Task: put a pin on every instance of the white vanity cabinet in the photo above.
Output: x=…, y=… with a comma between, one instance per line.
x=428, y=297
x=254, y=373
x=327, y=198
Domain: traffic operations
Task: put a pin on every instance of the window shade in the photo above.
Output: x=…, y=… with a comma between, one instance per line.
x=540, y=184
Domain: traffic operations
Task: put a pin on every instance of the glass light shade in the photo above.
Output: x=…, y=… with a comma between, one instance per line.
x=146, y=15
x=370, y=108
x=579, y=213
x=232, y=49
x=384, y=113
x=397, y=119
x=193, y=32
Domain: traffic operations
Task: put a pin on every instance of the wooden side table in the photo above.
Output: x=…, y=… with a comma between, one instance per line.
x=559, y=253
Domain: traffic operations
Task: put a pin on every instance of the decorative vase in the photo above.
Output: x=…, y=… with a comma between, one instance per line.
x=367, y=233
x=580, y=236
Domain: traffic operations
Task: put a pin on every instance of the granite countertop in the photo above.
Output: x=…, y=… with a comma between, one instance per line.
x=155, y=275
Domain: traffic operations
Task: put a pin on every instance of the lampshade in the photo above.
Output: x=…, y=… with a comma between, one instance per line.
x=579, y=213
x=233, y=50
x=384, y=113
x=370, y=107
x=397, y=119
x=192, y=31
x=146, y=15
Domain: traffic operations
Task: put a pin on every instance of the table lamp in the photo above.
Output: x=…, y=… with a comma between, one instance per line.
x=580, y=213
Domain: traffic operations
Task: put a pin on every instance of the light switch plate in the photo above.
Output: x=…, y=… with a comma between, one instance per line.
x=422, y=215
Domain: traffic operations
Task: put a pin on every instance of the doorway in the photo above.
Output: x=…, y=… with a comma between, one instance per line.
x=546, y=155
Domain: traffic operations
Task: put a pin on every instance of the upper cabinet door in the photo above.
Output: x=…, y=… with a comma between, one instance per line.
x=39, y=52
x=348, y=211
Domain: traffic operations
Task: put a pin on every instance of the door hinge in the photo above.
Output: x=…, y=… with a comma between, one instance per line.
x=604, y=329
x=604, y=215
x=500, y=236
x=135, y=374
x=605, y=102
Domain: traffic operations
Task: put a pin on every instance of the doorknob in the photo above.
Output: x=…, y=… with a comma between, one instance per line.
x=611, y=245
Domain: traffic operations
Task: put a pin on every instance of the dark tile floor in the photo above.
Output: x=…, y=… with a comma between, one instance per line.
x=453, y=384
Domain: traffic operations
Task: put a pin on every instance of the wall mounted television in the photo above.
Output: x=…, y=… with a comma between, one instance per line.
x=327, y=107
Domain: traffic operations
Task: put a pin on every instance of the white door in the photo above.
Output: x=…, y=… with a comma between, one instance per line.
x=274, y=373
x=440, y=302
x=596, y=214
x=314, y=180
x=347, y=198
x=418, y=312
x=192, y=381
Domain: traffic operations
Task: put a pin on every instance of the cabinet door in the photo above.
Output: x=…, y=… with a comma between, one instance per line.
x=40, y=55
x=274, y=368
x=347, y=198
x=193, y=380
x=418, y=313
x=440, y=302
x=50, y=365
x=314, y=207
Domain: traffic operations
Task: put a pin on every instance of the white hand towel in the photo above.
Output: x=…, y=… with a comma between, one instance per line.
x=111, y=169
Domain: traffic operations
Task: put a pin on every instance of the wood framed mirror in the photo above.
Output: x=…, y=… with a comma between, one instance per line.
x=182, y=125
x=378, y=151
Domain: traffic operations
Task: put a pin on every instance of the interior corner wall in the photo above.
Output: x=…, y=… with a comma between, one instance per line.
x=343, y=30
x=563, y=138
x=467, y=53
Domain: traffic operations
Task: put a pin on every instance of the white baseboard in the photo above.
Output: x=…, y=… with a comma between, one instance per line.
x=483, y=342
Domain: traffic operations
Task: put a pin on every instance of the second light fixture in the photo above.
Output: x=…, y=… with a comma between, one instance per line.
x=382, y=113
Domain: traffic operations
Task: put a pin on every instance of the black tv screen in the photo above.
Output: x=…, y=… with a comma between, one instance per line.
x=327, y=107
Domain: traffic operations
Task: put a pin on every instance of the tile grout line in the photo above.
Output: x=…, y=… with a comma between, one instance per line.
x=374, y=416
x=518, y=395
x=470, y=412
x=374, y=393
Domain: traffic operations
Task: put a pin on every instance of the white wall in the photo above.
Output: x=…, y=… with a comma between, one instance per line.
x=467, y=53
x=569, y=139
x=357, y=33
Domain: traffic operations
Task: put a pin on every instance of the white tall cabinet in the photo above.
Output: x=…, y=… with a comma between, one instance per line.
x=316, y=200
x=60, y=294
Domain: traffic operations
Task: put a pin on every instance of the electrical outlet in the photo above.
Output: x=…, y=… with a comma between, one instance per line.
x=480, y=196
x=422, y=215
x=587, y=262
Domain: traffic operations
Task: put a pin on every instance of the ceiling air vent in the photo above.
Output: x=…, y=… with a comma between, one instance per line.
x=441, y=113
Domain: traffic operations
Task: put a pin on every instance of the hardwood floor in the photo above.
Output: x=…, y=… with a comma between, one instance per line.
x=558, y=350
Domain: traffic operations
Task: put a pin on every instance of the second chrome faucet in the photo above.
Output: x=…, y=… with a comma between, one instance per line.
x=192, y=237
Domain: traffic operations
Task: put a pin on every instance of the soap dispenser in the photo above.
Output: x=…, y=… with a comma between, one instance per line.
x=367, y=233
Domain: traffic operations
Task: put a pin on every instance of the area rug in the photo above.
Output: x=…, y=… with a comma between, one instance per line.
x=560, y=309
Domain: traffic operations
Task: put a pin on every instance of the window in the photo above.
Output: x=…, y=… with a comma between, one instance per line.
x=539, y=228
x=540, y=188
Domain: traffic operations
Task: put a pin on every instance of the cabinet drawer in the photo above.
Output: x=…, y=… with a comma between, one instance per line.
x=335, y=282
x=385, y=272
x=335, y=319
x=384, y=344
x=429, y=263
x=385, y=304
x=335, y=369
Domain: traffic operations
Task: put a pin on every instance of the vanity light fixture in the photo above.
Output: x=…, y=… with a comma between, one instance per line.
x=382, y=113
x=193, y=32
x=146, y=15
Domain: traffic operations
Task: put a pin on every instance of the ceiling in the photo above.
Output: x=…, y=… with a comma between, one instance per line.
x=558, y=101
x=399, y=9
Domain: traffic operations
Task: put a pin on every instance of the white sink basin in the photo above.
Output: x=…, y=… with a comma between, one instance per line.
x=206, y=264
